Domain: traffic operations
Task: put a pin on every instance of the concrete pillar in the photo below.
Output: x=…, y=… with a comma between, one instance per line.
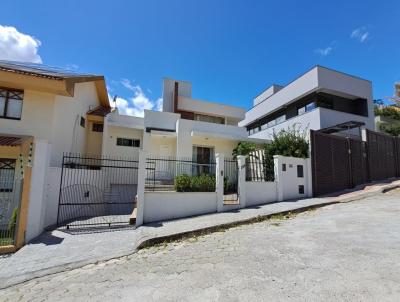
x=219, y=175
x=308, y=175
x=278, y=176
x=104, y=136
x=242, y=180
x=37, y=193
x=141, y=187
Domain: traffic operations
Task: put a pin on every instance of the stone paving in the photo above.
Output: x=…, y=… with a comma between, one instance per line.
x=58, y=251
x=342, y=252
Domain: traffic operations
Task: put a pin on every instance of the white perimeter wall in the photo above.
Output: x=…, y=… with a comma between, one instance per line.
x=288, y=181
x=160, y=206
x=260, y=192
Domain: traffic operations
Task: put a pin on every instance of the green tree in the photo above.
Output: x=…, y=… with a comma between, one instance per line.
x=289, y=142
x=244, y=148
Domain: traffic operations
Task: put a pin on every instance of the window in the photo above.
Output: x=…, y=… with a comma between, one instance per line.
x=209, y=119
x=128, y=142
x=254, y=130
x=281, y=119
x=300, y=171
x=311, y=106
x=83, y=121
x=301, y=189
x=7, y=170
x=306, y=108
x=97, y=127
x=11, y=104
x=283, y=167
x=271, y=123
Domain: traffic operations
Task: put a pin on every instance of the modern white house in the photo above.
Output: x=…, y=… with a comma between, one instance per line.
x=186, y=128
x=319, y=98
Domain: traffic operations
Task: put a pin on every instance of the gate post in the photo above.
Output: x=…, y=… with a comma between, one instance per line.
x=141, y=187
x=219, y=177
x=242, y=180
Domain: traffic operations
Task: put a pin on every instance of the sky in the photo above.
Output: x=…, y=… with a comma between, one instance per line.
x=230, y=50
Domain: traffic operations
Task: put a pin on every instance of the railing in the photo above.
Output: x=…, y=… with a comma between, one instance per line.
x=10, y=197
x=258, y=169
x=7, y=234
x=161, y=171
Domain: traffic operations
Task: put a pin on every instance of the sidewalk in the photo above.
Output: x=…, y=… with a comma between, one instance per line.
x=57, y=251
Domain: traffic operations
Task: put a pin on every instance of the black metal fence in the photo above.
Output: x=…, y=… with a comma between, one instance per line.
x=161, y=171
x=7, y=234
x=96, y=191
x=10, y=199
x=258, y=168
x=231, y=172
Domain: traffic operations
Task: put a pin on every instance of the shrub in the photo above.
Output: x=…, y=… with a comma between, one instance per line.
x=291, y=142
x=392, y=128
x=202, y=183
x=244, y=148
x=389, y=111
x=13, y=221
x=182, y=183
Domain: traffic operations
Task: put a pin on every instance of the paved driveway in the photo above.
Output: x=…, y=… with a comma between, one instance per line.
x=344, y=252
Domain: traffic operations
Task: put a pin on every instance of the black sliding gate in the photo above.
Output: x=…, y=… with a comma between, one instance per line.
x=96, y=191
x=340, y=163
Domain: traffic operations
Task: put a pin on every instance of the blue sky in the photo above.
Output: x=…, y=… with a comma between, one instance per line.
x=230, y=50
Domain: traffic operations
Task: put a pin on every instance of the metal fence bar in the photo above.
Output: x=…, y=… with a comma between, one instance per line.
x=161, y=171
x=96, y=190
x=258, y=169
x=10, y=199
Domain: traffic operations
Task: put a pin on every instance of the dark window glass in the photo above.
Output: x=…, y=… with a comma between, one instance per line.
x=301, y=189
x=83, y=121
x=11, y=104
x=128, y=142
x=97, y=127
x=300, y=171
x=283, y=167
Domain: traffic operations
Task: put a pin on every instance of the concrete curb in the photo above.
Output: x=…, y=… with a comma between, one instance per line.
x=147, y=240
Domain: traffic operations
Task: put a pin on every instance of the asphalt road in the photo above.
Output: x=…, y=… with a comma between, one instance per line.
x=345, y=252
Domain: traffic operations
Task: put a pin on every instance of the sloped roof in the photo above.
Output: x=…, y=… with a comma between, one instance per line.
x=99, y=111
x=22, y=75
x=41, y=70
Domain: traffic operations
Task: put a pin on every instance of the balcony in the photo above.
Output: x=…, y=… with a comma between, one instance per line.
x=229, y=132
x=314, y=120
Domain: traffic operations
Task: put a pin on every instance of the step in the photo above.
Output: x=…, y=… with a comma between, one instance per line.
x=132, y=218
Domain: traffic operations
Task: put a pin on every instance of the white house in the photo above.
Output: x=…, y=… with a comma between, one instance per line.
x=319, y=98
x=186, y=128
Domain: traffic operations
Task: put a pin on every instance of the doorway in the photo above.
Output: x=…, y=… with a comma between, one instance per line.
x=204, y=159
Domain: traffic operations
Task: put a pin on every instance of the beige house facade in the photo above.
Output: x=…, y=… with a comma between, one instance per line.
x=44, y=112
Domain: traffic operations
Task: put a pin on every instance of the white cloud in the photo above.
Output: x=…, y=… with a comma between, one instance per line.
x=138, y=102
x=128, y=84
x=16, y=46
x=72, y=66
x=324, y=51
x=361, y=34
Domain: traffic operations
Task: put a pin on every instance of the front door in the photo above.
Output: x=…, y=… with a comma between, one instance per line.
x=203, y=157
